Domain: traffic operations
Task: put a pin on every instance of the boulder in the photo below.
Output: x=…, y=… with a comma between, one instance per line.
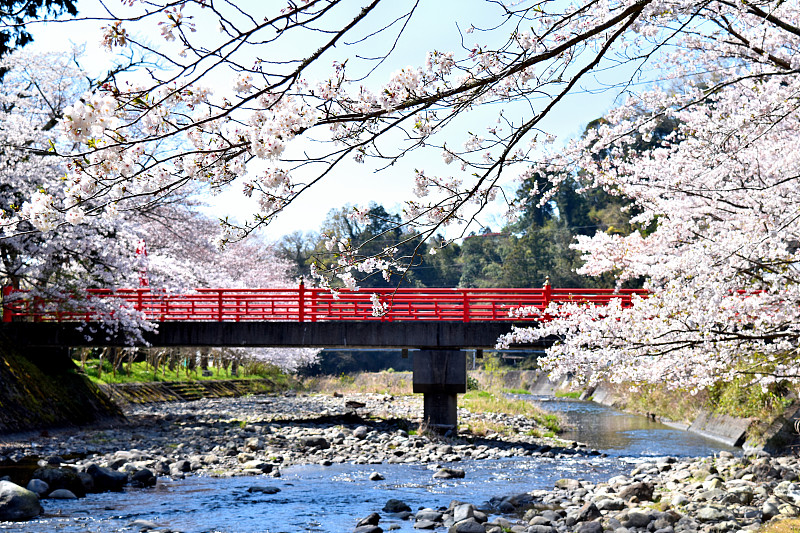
x=61, y=478
x=320, y=443
x=449, y=473
x=106, y=479
x=587, y=512
x=18, y=503
x=371, y=519
x=590, y=527
x=62, y=494
x=395, y=506
x=143, y=478
x=368, y=529
x=642, y=491
x=38, y=486
x=467, y=526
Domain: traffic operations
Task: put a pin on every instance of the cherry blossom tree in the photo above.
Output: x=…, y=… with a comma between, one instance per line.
x=56, y=264
x=716, y=201
x=182, y=255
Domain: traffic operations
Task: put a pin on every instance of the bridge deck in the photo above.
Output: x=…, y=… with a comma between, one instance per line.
x=339, y=334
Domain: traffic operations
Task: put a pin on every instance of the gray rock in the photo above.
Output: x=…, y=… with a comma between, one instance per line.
x=429, y=515
x=181, y=466
x=715, y=495
x=463, y=512
x=320, y=443
x=425, y=524
x=375, y=476
x=642, y=491
x=590, y=527
x=449, y=473
x=106, y=479
x=539, y=528
x=256, y=464
x=143, y=478
x=144, y=525
x=637, y=519
x=567, y=483
x=469, y=525
x=62, y=494
x=769, y=510
x=611, y=504
x=395, y=506
x=61, y=478
x=18, y=503
x=370, y=520
x=587, y=512
x=368, y=529
x=360, y=432
x=263, y=489
x=712, y=514
x=38, y=486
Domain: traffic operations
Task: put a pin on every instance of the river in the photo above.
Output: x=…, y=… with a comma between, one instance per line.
x=333, y=498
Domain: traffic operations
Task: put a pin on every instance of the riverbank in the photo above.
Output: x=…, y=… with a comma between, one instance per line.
x=259, y=437
x=668, y=495
x=769, y=426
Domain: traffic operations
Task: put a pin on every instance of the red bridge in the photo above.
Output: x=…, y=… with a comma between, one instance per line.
x=303, y=304
x=440, y=323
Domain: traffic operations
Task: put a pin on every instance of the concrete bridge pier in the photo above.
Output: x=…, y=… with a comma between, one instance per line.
x=440, y=375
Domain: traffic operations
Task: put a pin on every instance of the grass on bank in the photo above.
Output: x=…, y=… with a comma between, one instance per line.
x=791, y=525
x=483, y=402
x=102, y=372
x=735, y=398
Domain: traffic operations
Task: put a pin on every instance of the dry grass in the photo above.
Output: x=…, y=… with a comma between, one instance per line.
x=790, y=525
x=483, y=428
x=393, y=383
x=486, y=402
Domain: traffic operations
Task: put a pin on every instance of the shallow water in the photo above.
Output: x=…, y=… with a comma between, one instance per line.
x=332, y=499
x=623, y=434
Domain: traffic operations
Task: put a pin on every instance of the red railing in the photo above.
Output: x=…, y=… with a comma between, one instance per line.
x=304, y=304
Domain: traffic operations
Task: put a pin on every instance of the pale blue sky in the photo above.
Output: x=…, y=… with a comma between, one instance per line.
x=433, y=27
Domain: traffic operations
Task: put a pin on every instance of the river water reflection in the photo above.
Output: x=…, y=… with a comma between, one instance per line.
x=623, y=434
x=332, y=499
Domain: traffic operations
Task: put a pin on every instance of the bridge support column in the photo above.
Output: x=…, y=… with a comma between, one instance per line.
x=440, y=375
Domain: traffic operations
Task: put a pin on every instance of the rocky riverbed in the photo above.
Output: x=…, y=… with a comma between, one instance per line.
x=261, y=435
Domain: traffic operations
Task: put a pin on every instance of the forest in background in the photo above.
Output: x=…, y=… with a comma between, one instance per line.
x=524, y=253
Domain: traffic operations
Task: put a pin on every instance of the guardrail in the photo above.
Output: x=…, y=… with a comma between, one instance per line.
x=302, y=304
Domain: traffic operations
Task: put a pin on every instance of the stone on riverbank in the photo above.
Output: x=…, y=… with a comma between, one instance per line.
x=449, y=473
x=61, y=478
x=38, y=486
x=106, y=479
x=18, y=503
x=62, y=494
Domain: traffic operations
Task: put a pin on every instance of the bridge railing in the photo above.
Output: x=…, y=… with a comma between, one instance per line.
x=313, y=304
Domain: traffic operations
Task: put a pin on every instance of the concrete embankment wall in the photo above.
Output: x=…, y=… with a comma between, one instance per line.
x=745, y=432
x=43, y=389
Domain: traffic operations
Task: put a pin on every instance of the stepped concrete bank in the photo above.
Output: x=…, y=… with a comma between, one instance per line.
x=177, y=391
x=780, y=434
